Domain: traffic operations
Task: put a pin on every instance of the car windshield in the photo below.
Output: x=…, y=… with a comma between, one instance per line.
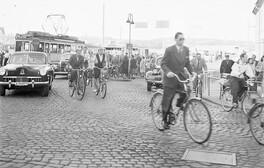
x=27, y=58
x=65, y=57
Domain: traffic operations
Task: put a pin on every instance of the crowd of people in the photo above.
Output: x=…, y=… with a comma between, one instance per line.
x=4, y=56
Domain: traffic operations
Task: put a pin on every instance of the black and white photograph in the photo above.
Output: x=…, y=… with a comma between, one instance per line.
x=131, y=84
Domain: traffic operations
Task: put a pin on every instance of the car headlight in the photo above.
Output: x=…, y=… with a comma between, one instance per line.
x=2, y=71
x=42, y=72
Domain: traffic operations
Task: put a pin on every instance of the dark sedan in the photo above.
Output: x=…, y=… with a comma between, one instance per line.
x=27, y=70
x=61, y=67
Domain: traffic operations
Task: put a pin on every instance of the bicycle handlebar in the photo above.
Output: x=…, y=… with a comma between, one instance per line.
x=184, y=81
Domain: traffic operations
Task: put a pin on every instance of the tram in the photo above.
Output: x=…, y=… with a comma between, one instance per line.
x=53, y=45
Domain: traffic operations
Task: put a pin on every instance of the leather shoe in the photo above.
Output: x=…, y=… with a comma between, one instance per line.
x=166, y=125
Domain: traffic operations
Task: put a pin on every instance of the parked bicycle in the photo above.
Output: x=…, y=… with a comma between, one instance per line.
x=102, y=88
x=256, y=116
x=247, y=99
x=196, y=116
x=78, y=85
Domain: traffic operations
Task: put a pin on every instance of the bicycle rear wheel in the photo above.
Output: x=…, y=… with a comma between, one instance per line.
x=249, y=100
x=156, y=110
x=256, y=116
x=227, y=100
x=197, y=121
x=103, y=89
x=81, y=86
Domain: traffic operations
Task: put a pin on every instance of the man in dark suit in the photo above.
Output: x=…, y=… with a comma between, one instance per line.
x=175, y=59
x=76, y=61
x=226, y=65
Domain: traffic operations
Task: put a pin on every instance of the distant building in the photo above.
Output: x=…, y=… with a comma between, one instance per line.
x=259, y=12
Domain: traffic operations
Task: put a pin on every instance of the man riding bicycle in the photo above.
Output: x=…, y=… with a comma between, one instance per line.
x=76, y=61
x=240, y=72
x=199, y=66
x=99, y=62
x=175, y=59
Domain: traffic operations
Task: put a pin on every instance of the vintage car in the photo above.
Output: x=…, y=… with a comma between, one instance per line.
x=27, y=70
x=153, y=77
x=61, y=67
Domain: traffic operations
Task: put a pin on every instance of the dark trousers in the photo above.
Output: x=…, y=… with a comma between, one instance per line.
x=238, y=87
x=168, y=95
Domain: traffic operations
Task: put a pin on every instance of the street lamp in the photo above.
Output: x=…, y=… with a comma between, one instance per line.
x=130, y=22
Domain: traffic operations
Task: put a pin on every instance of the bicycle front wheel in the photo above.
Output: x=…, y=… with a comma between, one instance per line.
x=81, y=86
x=103, y=89
x=156, y=110
x=256, y=116
x=197, y=121
x=249, y=100
x=227, y=100
x=71, y=90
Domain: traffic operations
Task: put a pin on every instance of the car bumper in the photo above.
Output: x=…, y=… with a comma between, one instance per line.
x=153, y=81
x=13, y=85
x=60, y=73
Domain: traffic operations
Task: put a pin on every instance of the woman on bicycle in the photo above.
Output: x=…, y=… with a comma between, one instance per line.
x=240, y=71
x=100, y=63
x=260, y=69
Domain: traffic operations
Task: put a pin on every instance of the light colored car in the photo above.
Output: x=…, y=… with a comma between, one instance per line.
x=154, y=77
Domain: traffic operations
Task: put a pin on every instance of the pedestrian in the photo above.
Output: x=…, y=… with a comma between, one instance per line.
x=133, y=67
x=174, y=61
x=6, y=57
x=86, y=57
x=1, y=58
x=124, y=67
x=255, y=63
x=260, y=70
x=143, y=67
x=226, y=65
x=252, y=65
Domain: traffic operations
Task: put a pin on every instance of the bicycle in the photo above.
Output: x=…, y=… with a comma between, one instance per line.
x=256, y=120
x=247, y=99
x=89, y=77
x=199, y=87
x=102, y=83
x=195, y=114
x=79, y=84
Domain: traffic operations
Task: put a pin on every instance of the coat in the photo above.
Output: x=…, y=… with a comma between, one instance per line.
x=199, y=68
x=175, y=61
x=76, y=64
x=226, y=66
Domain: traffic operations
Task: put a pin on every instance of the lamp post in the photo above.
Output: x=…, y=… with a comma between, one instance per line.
x=130, y=22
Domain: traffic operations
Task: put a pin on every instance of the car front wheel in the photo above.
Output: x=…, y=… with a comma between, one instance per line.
x=45, y=91
x=149, y=86
x=2, y=91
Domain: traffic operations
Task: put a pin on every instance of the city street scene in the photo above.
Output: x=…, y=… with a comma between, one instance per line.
x=122, y=83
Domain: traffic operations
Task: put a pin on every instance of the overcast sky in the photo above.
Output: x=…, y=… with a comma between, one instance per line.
x=221, y=19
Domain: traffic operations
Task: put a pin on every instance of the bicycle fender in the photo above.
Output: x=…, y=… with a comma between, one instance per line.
x=197, y=98
x=159, y=91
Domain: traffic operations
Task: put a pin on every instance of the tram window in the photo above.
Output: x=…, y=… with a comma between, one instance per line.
x=54, y=48
x=26, y=46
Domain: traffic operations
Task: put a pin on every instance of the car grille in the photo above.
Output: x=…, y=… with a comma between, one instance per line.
x=21, y=79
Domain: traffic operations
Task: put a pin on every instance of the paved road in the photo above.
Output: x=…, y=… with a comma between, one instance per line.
x=60, y=131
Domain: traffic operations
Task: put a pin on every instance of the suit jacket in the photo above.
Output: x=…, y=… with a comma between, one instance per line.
x=226, y=67
x=199, y=68
x=74, y=63
x=174, y=61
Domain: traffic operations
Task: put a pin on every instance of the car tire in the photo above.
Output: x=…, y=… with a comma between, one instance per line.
x=149, y=86
x=2, y=91
x=45, y=91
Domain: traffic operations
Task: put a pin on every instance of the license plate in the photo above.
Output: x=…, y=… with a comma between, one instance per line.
x=21, y=84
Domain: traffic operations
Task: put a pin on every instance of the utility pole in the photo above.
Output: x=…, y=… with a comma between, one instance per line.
x=103, y=23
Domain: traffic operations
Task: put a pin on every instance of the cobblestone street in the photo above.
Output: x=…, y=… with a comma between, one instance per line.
x=61, y=131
